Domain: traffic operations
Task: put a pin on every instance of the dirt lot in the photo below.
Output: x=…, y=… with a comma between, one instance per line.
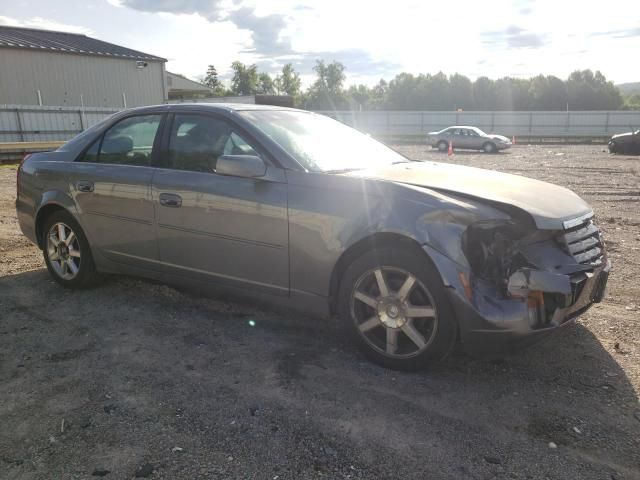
x=137, y=378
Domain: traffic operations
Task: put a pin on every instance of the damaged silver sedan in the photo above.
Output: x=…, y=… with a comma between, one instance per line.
x=300, y=210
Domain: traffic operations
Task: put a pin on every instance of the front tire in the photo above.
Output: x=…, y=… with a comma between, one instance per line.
x=443, y=146
x=393, y=304
x=489, y=147
x=66, y=251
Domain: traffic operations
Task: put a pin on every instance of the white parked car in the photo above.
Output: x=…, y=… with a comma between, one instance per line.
x=471, y=138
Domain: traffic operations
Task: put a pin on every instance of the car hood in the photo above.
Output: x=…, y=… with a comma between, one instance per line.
x=499, y=137
x=549, y=205
x=623, y=136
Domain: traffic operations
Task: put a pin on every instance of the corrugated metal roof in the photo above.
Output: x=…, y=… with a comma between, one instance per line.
x=63, y=42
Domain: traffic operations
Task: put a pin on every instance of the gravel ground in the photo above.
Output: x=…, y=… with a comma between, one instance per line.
x=135, y=379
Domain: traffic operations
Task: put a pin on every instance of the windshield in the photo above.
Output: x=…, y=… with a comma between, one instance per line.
x=321, y=144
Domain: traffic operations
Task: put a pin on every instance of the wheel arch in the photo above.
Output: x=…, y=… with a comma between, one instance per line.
x=43, y=213
x=370, y=242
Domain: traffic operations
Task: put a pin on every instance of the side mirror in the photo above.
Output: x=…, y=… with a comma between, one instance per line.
x=248, y=166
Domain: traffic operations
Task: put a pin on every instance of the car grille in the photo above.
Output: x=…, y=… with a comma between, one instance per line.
x=583, y=242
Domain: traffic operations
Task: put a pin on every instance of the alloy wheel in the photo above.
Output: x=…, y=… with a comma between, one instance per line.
x=63, y=251
x=394, y=312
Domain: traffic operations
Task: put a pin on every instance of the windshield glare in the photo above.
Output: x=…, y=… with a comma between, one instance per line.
x=321, y=144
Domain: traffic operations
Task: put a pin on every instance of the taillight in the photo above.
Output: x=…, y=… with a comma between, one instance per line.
x=26, y=156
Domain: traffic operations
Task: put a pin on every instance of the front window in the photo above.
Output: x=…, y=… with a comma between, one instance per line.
x=196, y=142
x=321, y=144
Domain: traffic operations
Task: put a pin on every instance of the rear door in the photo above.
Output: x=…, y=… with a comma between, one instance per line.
x=111, y=185
x=214, y=227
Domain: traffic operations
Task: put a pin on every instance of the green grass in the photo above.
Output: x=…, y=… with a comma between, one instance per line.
x=9, y=166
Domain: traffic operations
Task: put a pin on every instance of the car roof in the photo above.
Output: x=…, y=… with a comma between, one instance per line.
x=209, y=107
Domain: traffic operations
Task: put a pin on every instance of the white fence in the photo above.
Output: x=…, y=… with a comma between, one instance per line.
x=587, y=124
x=33, y=123
x=38, y=124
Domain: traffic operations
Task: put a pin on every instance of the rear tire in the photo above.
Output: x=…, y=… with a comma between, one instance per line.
x=66, y=251
x=393, y=305
x=443, y=146
x=489, y=148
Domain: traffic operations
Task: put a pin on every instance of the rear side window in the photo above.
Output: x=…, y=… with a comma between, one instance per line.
x=128, y=142
x=196, y=142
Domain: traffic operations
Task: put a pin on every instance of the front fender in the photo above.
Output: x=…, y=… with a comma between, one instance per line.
x=440, y=220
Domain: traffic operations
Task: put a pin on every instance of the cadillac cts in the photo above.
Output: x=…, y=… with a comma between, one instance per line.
x=299, y=209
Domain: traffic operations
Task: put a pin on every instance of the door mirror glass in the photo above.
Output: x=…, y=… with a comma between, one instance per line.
x=248, y=166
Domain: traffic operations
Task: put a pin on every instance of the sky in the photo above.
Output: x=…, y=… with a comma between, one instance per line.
x=373, y=39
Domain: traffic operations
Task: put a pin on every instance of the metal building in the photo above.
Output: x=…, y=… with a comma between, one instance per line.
x=180, y=87
x=42, y=67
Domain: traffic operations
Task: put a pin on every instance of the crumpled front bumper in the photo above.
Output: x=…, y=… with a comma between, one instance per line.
x=489, y=322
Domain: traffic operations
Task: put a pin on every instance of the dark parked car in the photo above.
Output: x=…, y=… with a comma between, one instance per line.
x=299, y=209
x=627, y=143
x=469, y=138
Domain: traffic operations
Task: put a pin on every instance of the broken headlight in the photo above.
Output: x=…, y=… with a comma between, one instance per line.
x=491, y=247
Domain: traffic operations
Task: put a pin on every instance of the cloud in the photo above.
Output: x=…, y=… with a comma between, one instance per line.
x=209, y=9
x=524, y=7
x=268, y=43
x=265, y=31
x=514, y=37
x=45, y=24
x=357, y=62
x=625, y=33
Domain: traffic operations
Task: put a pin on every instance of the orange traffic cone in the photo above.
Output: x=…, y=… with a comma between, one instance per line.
x=513, y=140
x=450, y=152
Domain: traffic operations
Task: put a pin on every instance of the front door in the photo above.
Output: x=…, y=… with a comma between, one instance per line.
x=111, y=185
x=214, y=227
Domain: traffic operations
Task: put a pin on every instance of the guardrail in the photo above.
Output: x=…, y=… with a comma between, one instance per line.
x=530, y=124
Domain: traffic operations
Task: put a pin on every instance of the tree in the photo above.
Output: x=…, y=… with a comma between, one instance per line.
x=359, y=97
x=245, y=79
x=378, y=95
x=265, y=84
x=461, y=92
x=327, y=92
x=589, y=91
x=547, y=93
x=211, y=80
x=632, y=102
x=484, y=94
x=401, y=93
x=288, y=82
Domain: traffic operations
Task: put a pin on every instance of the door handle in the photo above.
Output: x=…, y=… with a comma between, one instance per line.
x=84, y=186
x=170, y=200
